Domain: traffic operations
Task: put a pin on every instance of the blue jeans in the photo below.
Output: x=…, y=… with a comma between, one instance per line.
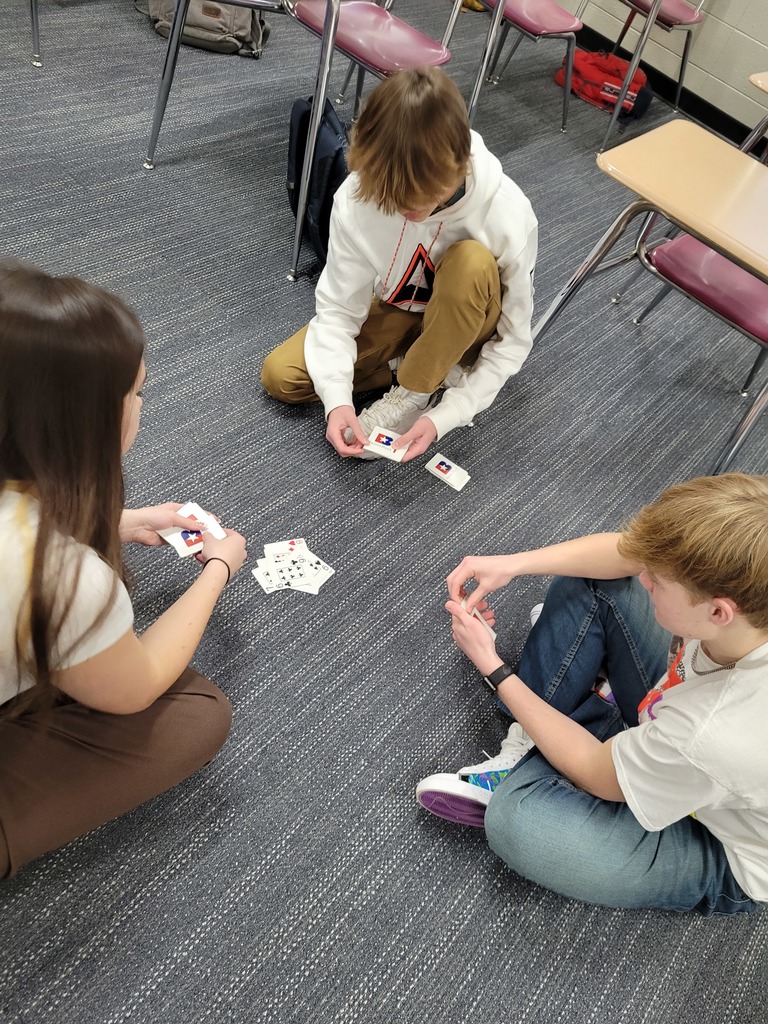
x=575, y=844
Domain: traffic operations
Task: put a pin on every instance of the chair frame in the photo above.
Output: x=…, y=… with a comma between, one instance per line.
x=642, y=250
x=596, y=262
x=37, y=60
x=570, y=40
x=651, y=19
x=327, y=47
x=494, y=41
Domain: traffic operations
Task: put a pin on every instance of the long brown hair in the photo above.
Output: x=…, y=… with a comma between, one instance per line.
x=69, y=354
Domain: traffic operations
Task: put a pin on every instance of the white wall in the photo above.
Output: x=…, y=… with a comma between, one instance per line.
x=730, y=45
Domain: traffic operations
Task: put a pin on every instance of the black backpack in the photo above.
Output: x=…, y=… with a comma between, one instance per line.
x=329, y=169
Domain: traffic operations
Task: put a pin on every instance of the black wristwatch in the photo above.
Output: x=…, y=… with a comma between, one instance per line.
x=497, y=677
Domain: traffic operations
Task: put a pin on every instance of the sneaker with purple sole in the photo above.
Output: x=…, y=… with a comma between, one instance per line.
x=463, y=796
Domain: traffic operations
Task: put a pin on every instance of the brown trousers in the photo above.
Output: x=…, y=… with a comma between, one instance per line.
x=63, y=774
x=460, y=317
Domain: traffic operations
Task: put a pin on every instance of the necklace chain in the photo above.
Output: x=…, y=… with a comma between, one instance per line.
x=709, y=671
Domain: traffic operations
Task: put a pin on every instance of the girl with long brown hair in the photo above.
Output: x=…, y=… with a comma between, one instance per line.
x=94, y=720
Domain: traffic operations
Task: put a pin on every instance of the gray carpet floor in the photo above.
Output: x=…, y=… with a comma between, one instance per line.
x=295, y=880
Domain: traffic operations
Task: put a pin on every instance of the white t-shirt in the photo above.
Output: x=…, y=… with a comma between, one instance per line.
x=19, y=517
x=701, y=749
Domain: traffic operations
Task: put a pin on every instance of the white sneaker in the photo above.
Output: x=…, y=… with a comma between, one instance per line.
x=536, y=614
x=514, y=747
x=398, y=410
x=463, y=797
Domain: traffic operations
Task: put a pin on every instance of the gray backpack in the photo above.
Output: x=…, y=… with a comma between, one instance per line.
x=214, y=26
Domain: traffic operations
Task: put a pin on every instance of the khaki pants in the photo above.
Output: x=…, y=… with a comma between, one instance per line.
x=459, y=318
x=68, y=772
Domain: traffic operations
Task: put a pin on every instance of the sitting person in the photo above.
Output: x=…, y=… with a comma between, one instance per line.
x=93, y=719
x=430, y=269
x=650, y=790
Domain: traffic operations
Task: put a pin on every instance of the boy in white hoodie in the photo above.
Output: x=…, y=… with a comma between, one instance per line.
x=430, y=269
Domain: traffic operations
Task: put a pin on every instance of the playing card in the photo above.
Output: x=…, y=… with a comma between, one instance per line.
x=284, y=548
x=267, y=581
x=290, y=565
x=380, y=443
x=184, y=542
x=193, y=511
x=447, y=471
x=479, y=616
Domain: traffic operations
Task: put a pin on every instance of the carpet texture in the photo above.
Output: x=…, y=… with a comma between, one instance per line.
x=295, y=880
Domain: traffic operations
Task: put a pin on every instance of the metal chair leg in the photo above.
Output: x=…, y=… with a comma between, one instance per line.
x=650, y=21
x=660, y=295
x=739, y=436
x=683, y=66
x=762, y=355
x=455, y=12
x=569, y=54
x=342, y=93
x=166, y=80
x=359, y=90
x=627, y=25
x=493, y=75
x=36, y=58
x=490, y=43
x=327, y=42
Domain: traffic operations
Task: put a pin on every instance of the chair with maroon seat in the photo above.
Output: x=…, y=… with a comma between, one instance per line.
x=667, y=15
x=689, y=266
x=531, y=19
x=736, y=297
x=368, y=35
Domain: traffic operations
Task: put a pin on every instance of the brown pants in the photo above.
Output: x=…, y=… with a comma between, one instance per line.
x=62, y=775
x=459, y=318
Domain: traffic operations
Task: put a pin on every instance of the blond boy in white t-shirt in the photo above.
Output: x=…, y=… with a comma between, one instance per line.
x=651, y=791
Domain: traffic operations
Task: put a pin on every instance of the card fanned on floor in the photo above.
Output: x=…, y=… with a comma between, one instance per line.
x=447, y=471
x=290, y=565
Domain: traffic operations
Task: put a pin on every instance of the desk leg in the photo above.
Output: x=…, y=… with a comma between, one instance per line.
x=591, y=264
x=739, y=436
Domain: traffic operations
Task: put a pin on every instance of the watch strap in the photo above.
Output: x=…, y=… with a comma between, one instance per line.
x=496, y=678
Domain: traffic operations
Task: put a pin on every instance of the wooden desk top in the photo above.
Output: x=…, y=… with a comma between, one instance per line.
x=701, y=183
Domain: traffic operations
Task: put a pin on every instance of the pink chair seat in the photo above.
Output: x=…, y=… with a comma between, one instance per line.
x=715, y=282
x=373, y=37
x=538, y=17
x=672, y=13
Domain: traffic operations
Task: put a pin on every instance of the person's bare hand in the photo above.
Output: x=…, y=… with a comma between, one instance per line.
x=343, y=424
x=419, y=437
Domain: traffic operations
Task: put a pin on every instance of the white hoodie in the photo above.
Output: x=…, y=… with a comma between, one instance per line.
x=371, y=252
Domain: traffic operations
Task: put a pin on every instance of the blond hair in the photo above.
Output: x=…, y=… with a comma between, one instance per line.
x=711, y=536
x=411, y=142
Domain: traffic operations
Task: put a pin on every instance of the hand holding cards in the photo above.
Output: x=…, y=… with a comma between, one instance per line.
x=478, y=615
x=290, y=565
x=380, y=443
x=189, y=542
